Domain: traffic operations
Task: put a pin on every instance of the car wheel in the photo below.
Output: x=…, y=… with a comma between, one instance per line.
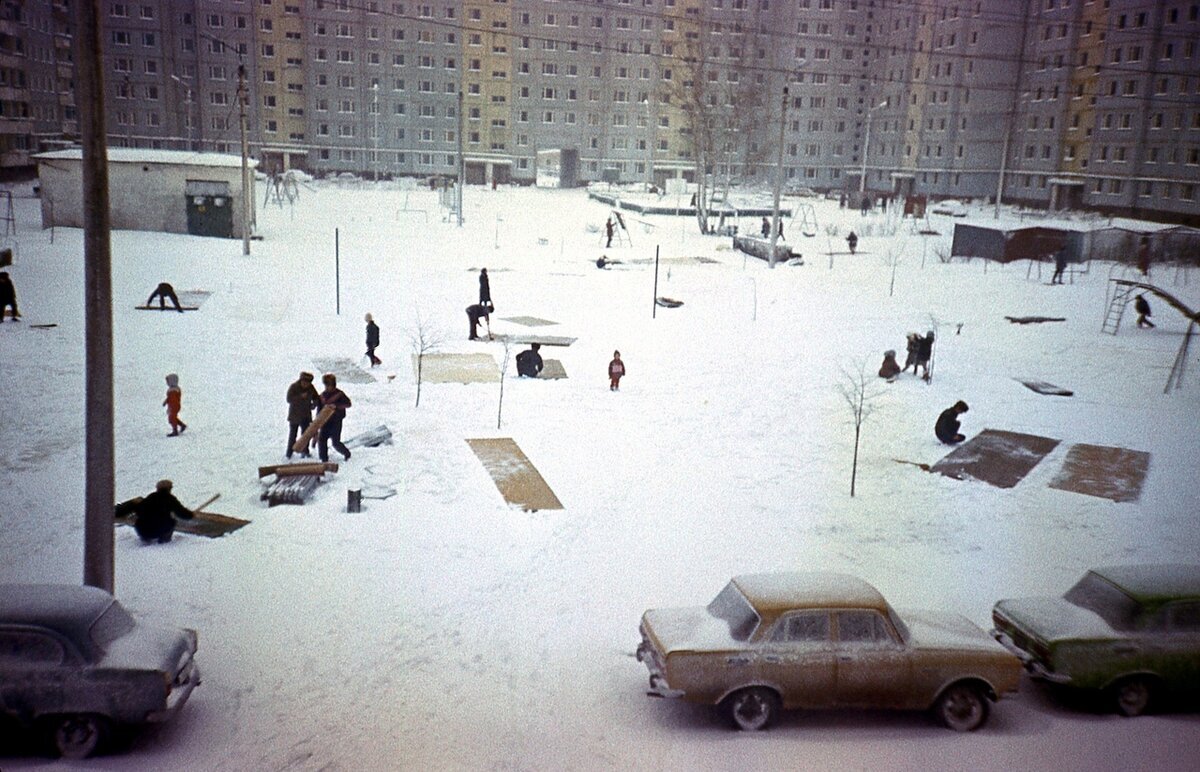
x=78, y=736
x=1133, y=696
x=753, y=708
x=962, y=707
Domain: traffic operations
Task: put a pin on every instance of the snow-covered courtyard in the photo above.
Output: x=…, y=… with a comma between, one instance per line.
x=441, y=628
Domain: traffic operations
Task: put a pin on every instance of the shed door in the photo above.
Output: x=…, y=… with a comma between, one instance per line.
x=209, y=209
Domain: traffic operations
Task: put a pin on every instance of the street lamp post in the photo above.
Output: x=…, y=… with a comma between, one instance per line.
x=862, y=177
x=375, y=111
x=188, y=110
x=649, y=145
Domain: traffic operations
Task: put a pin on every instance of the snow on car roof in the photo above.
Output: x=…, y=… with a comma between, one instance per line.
x=782, y=590
x=1155, y=583
x=64, y=607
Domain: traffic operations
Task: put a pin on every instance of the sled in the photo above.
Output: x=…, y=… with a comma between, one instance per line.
x=43, y=326
x=207, y=524
x=301, y=444
x=167, y=308
x=1042, y=387
x=668, y=302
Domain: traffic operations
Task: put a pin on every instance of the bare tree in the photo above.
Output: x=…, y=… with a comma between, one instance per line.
x=893, y=256
x=861, y=391
x=425, y=339
x=507, y=341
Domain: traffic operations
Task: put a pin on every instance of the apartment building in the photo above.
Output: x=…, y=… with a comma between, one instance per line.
x=1051, y=103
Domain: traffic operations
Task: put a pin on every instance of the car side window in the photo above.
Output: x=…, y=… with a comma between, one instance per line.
x=803, y=627
x=28, y=647
x=1184, y=617
x=863, y=627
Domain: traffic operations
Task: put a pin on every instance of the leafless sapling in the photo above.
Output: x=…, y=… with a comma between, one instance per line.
x=507, y=341
x=425, y=338
x=861, y=391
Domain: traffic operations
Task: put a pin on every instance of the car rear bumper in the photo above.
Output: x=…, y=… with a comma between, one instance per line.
x=658, y=681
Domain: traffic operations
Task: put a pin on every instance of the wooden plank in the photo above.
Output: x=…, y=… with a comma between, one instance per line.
x=515, y=476
x=292, y=489
x=301, y=444
x=303, y=467
x=168, y=308
x=1042, y=387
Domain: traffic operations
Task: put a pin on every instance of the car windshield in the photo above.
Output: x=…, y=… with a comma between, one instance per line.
x=732, y=607
x=1105, y=599
x=111, y=625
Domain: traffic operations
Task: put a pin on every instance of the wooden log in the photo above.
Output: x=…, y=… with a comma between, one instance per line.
x=302, y=441
x=290, y=490
x=304, y=467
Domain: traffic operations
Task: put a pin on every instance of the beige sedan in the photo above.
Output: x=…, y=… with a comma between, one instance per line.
x=822, y=640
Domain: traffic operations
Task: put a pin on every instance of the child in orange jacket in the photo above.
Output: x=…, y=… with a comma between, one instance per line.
x=173, y=402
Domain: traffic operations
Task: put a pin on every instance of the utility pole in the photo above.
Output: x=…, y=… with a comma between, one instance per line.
x=375, y=110
x=778, y=178
x=462, y=163
x=99, y=453
x=246, y=195
x=862, y=177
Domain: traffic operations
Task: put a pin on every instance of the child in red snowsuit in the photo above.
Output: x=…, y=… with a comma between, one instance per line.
x=173, y=402
x=616, y=368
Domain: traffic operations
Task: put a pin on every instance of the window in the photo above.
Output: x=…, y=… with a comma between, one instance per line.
x=862, y=627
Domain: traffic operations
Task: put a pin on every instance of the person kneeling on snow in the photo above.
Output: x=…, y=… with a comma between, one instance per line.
x=890, y=367
x=154, y=515
x=529, y=362
x=947, y=424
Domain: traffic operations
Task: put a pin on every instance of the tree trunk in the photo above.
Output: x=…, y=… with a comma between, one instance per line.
x=854, y=465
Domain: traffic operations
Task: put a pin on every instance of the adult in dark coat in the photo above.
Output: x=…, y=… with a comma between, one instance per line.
x=766, y=228
x=1142, y=306
x=331, y=430
x=1060, y=265
x=164, y=291
x=154, y=516
x=8, y=297
x=372, y=340
x=947, y=424
x=924, y=353
x=852, y=241
x=529, y=362
x=474, y=314
x=302, y=397
x=911, y=344
x=485, y=288
x=608, y=232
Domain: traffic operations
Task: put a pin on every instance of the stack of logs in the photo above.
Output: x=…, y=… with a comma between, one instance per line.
x=293, y=482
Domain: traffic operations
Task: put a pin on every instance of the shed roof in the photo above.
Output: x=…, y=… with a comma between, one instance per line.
x=134, y=155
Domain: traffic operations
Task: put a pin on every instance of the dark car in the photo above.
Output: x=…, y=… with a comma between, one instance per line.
x=1129, y=633
x=74, y=665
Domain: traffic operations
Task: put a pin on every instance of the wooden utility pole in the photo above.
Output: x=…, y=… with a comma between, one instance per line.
x=247, y=198
x=99, y=484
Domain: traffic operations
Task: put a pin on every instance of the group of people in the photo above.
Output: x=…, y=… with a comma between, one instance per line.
x=919, y=354
x=766, y=228
x=302, y=399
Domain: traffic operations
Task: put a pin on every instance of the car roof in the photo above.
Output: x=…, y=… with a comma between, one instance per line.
x=1154, y=583
x=776, y=592
x=68, y=608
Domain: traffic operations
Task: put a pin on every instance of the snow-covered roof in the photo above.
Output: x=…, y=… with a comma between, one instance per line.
x=135, y=155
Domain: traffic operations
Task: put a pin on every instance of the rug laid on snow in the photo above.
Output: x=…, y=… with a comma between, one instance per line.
x=1108, y=473
x=346, y=370
x=552, y=369
x=515, y=476
x=529, y=321
x=457, y=368
x=996, y=457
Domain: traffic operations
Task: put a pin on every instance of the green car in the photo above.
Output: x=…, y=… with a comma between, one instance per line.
x=1131, y=633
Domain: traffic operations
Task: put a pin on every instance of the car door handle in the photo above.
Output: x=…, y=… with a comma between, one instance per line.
x=845, y=658
x=772, y=659
x=738, y=660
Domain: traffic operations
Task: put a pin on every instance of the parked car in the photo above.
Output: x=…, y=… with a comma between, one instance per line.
x=949, y=207
x=1129, y=633
x=74, y=665
x=822, y=640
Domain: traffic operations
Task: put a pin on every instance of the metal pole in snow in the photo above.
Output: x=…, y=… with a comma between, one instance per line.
x=337, y=270
x=654, y=304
